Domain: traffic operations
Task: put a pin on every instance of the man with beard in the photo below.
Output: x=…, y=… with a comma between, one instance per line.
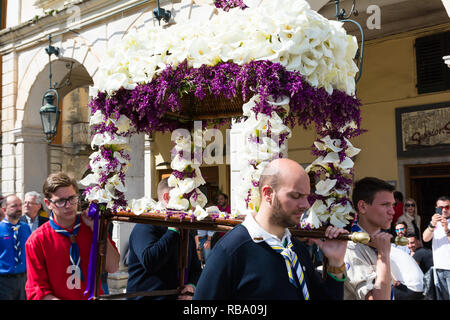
x=13, y=235
x=260, y=260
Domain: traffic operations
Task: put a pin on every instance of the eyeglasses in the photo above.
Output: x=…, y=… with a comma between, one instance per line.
x=400, y=229
x=410, y=205
x=61, y=203
x=445, y=207
x=26, y=203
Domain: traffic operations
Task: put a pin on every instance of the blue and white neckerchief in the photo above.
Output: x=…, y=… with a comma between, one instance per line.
x=357, y=228
x=75, y=259
x=17, y=245
x=292, y=263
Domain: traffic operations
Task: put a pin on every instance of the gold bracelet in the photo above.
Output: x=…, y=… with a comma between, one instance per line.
x=336, y=270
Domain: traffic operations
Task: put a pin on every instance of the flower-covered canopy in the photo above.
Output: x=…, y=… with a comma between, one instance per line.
x=287, y=63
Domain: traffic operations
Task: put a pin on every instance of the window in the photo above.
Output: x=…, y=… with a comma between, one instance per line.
x=433, y=75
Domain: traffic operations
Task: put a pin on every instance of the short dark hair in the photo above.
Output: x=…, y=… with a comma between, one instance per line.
x=5, y=199
x=58, y=180
x=224, y=195
x=366, y=188
x=411, y=234
x=398, y=196
x=401, y=222
x=443, y=198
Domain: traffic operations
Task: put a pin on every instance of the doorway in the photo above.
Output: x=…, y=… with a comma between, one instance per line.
x=425, y=183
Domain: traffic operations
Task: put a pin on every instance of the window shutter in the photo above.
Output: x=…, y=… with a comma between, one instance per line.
x=433, y=75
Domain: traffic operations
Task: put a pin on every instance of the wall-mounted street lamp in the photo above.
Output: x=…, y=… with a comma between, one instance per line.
x=343, y=17
x=160, y=13
x=49, y=111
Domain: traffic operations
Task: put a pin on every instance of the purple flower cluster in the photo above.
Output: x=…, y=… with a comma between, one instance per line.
x=148, y=104
x=226, y=5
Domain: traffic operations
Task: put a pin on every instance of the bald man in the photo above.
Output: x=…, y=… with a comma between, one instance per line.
x=260, y=260
x=13, y=236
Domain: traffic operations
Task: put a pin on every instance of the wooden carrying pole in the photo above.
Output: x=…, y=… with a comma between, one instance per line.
x=101, y=255
x=183, y=255
x=184, y=224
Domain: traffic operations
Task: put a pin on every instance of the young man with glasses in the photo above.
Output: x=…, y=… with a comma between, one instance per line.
x=58, y=252
x=438, y=231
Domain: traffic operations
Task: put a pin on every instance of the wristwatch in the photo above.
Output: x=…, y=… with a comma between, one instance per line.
x=336, y=270
x=431, y=226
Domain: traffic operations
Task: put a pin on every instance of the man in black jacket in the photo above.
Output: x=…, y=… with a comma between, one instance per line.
x=153, y=258
x=260, y=260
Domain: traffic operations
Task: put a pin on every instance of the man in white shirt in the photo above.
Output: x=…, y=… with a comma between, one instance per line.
x=369, y=266
x=438, y=231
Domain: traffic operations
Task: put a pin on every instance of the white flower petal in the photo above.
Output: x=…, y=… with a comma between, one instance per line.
x=323, y=187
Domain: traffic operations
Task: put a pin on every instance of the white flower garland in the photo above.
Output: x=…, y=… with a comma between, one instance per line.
x=261, y=145
x=186, y=164
x=110, y=162
x=336, y=207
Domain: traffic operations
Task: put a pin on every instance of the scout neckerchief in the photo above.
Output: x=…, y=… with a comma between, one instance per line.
x=75, y=259
x=17, y=244
x=292, y=263
x=258, y=234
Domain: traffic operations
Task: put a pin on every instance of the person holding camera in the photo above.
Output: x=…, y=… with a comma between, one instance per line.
x=438, y=231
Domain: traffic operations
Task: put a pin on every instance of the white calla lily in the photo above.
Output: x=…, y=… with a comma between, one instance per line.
x=213, y=210
x=198, y=179
x=177, y=202
x=139, y=206
x=90, y=179
x=340, y=215
x=351, y=151
x=122, y=124
x=315, y=214
x=96, y=118
x=173, y=181
x=200, y=213
x=186, y=185
x=327, y=142
x=107, y=138
x=115, y=183
x=323, y=187
x=180, y=163
x=100, y=195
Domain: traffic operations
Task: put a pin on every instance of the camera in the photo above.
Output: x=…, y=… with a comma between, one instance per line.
x=438, y=210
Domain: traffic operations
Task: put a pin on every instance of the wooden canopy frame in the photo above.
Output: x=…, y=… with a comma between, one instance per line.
x=179, y=220
x=184, y=223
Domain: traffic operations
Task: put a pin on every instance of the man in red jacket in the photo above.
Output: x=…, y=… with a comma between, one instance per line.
x=58, y=252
